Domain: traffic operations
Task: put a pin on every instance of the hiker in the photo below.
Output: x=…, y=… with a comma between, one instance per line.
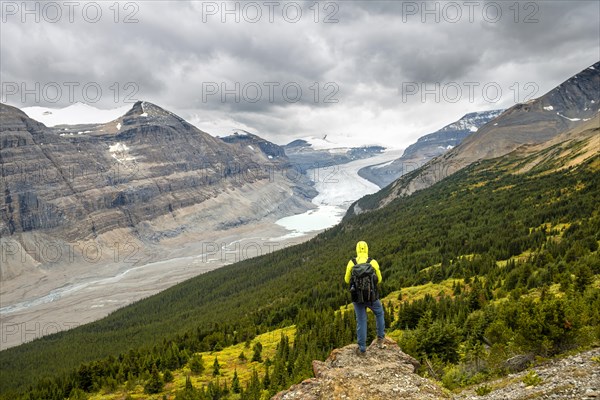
x=363, y=275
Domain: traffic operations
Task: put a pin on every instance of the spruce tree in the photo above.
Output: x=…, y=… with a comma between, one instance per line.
x=257, y=352
x=196, y=364
x=155, y=383
x=584, y=277
x=168, y=376
x=216, y=367
x=235, y=383
x=267, y=379
x=188, y=383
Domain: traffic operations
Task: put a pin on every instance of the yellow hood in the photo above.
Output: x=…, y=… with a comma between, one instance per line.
x=362, y=250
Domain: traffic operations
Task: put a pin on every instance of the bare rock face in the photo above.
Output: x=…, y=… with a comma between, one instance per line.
x=380, y=374
x=253, y=142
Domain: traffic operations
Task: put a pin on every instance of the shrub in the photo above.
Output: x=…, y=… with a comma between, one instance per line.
x=532, y=379
x=483, y=390
x=454, y=377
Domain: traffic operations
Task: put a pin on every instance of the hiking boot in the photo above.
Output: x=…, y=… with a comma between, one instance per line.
x=359, y=352
x=380, y=343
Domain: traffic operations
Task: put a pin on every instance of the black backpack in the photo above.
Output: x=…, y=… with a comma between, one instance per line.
x=363, y=282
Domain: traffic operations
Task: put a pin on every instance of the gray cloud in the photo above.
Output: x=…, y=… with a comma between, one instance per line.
x=176, y=51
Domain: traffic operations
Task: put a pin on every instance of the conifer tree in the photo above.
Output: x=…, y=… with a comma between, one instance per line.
x=188, y=383
x=257, y=352
x=235, y=383
x=216, y=367
x=196, y=364
x=267, y=379
x=155, y=383
x=168, y=376
x=584, y=277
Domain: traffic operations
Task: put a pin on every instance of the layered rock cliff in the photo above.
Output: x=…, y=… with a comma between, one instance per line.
x=145, y=164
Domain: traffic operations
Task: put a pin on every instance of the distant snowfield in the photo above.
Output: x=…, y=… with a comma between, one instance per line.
x=338, y=186
x=74, y=114
x=338, y=142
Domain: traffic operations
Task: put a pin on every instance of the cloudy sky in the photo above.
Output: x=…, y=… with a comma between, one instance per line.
x=381, y=72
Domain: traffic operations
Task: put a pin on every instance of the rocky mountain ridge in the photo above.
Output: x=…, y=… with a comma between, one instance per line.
x=428, y=147
x=571, y=105
x=115, y=175
x=572, y=377
x=243, y=138
x=320, y=153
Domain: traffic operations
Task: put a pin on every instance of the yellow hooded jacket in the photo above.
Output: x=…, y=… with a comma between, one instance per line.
x=362, y=254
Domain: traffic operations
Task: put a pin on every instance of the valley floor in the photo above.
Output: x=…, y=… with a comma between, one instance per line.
x=60, y=300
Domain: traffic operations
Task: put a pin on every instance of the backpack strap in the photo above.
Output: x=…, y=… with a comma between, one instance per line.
x=369, y=259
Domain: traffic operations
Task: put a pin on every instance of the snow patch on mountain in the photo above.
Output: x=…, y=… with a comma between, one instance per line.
x=472, y=121
x=74, y=114
x=336, y=142
x=570, y=119
x=120, y=152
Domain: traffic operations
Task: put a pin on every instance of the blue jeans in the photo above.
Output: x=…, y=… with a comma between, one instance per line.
x=360, y=309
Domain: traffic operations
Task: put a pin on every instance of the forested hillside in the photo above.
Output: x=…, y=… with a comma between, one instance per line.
x=519, y=241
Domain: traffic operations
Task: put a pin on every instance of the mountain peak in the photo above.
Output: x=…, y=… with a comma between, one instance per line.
x=144, y=113
x=576, y=98
x=249, y=140
x=380, y=374
x=472, y=121
x=145, y=109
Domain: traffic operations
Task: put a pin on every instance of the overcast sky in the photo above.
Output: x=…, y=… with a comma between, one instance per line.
x=371, y=72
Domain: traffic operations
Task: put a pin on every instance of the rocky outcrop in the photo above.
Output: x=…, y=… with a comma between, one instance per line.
x=380, y=374
x=389, y=374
